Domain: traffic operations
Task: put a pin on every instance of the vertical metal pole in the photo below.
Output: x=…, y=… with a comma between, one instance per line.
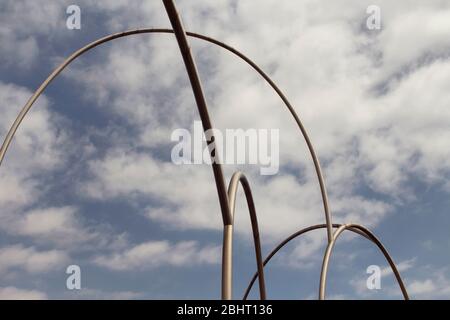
x=194, y=78
x=227, y=262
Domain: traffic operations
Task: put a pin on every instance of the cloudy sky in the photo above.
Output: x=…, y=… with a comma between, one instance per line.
x=88, y=179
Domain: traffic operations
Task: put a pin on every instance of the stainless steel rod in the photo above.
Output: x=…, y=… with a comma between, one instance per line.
x=194, y=78
x=374, y=239
x=227, y=257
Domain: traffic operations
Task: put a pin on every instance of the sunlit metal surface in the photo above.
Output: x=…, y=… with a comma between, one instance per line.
x=285, y=242
x=329, y=250
x=354, y=228
x=227, y=264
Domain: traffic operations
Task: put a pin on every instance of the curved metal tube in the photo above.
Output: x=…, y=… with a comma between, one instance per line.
x=357, y=229
x=196, y=85
x=330, y=246
x=227, y=255
x=108, y=38
x=316, y=162
x=285, y=242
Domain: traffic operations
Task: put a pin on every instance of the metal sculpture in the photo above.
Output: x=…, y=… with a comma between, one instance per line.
x=226, y=199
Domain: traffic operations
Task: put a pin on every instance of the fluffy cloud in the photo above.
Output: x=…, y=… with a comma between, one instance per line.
x=23, y=25
x=38, y=144
x=129, y=175
x=435, y=286
x=38, y=147
x=30, y=259
x=64, y=227
x=42, y=145
x=422, y=282
x=48, y=221
x=422, y=287
x=13, y=293
x=159, y=253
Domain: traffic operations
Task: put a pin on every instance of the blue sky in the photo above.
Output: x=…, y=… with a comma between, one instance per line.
x=88, y=179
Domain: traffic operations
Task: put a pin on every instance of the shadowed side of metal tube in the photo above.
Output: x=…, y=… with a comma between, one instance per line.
x=227, y=256
x=194, y=78
x=374, y=239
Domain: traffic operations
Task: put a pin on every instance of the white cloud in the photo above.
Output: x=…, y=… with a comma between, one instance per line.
x=31, y=260
x=138, y=88
x=422, y=282
x=42, y=144
x=422, y=287
x=58, y=224
x=128, y=175
x=23, y=23
x=13, y=47
x=39, y=141
x=430, y=38
x=434, y=285
x=359, y=284
x=13, y=293
x=37, y=147
x=49, y=221
x=65, y=227
x=402, y=266
x=186, y=198
x=159, y=253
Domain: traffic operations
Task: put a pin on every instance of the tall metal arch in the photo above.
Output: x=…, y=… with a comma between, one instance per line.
x=111, y=37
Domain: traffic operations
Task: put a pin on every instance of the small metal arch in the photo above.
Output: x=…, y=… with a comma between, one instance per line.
x=374, y=239
x=285, y=242
x=227, y=264
x=356, y=229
